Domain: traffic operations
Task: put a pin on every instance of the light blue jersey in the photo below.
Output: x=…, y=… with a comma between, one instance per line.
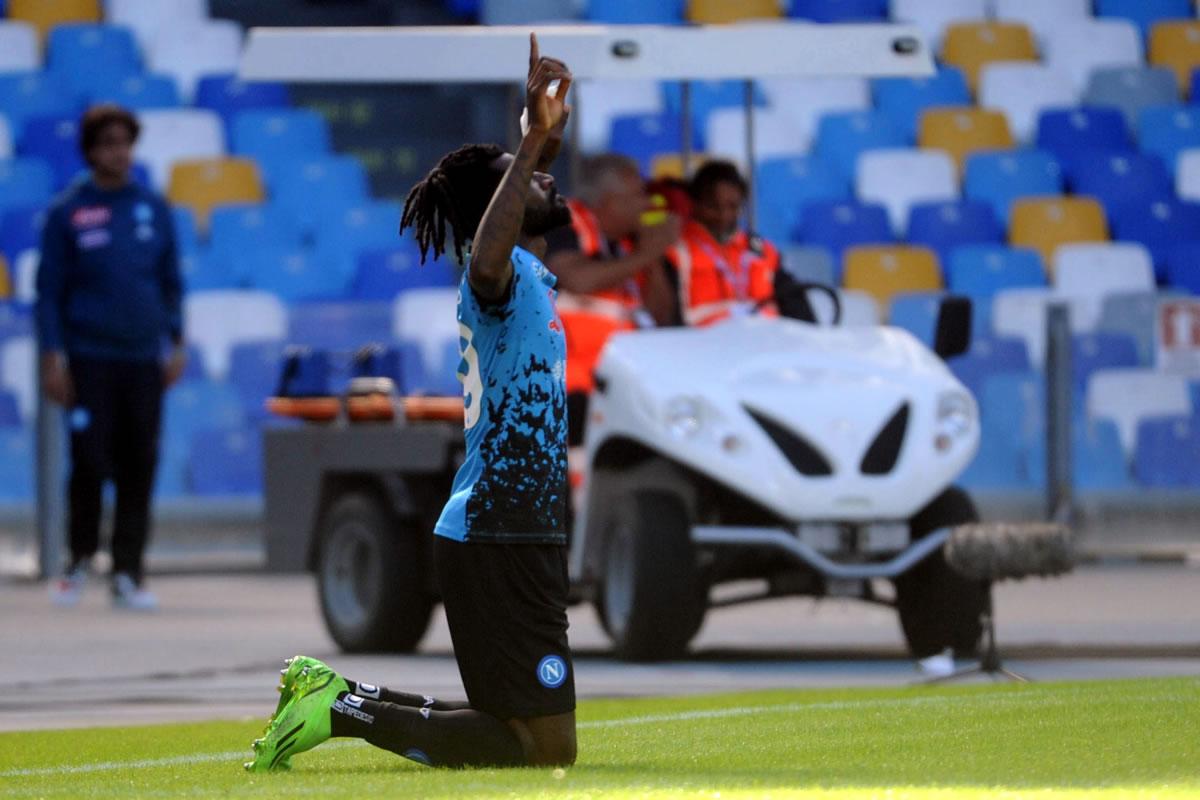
x=512, y=487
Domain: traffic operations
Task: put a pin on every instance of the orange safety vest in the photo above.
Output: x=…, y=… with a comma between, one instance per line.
x=720, y=280
x=590, y=319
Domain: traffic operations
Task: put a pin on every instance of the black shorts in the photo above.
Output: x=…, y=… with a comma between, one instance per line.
x=507, y=609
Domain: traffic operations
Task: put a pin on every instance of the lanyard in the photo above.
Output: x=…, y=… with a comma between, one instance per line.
x=738, y=280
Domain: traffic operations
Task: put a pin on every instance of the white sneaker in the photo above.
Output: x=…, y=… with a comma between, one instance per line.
x=937, y=666
x=127, y=594
x=67, y=590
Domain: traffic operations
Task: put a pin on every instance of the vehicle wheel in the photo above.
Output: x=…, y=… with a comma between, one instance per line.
x=370, y=577
x=938, y=607
x=651, y=600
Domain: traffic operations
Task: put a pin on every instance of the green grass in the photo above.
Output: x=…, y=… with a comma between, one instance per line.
x=1116, y=739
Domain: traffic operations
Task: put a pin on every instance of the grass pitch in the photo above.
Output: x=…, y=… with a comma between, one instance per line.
x=1117, y=739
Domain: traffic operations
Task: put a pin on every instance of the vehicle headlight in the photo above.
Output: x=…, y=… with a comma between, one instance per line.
x=683, y=417
x=955, y=417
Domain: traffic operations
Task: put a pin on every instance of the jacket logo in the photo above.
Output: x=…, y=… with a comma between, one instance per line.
x=91, y=216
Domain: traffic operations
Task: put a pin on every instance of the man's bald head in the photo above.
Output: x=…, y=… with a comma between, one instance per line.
x=611, y=186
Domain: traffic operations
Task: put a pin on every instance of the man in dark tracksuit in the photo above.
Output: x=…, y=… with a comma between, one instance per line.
x=109, y=294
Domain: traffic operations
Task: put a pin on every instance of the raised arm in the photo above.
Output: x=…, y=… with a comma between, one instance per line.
x=490, y=269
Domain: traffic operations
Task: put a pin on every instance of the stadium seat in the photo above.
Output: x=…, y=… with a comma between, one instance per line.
x=1092, y=272
x=205, y=270
x=279, y=136
x=1118, y=178
x=839, y=10
x=837, y=225
x=18, y=47
x=1175, y=44
x=1159, y=224
x=806, y=100
x=254, y=372
x=24, y=182
x=1098, y=464
x=192, y=406
x=320, y=186
x=16, y=320
x=859, y=309
x=186, y=51
x=1134, y=314
x=718, y=12
x=1144, y=13
x=147, y=18
x=885, y=271
x=24, y=95
x=989, y=355
x=137, y=92
x=670, y=165
x=1045, y=223
x=1128, y=396
x=10, y=413
x=7, y=145
x=1187, y=174
x=18, y=358
x=1091, y=352
x=1079, y=48
x=171, y=477
x=6, y=282
x=904, y=99
x=933, y=17
x=708, y=97
x=1167, y=131
x=899, y=178
x=427, y=318
x=1131, y=89
x=17, y=459
x=1021, y=314
x=1182, y=267
x=963, y=131
x=383, y=274
x=607, y=99
x=643, y=136
x=294, y=274
x=227, y=463
x=187, y=238
x=217, y=320
x=54, y=140
x=1168, y=452
x=776, y=134
x=87, y=54
x=981, y=270
x=170, y=135
x=1023, y=90
x=203, y=184
x=369, y=225
x=970, y=46
x=1040, y=17
x=235, y=231
x=635, y=12
x=526, y=12
x=947, y=225
x=1070, y=132
x=917, y=313
x=1001, y=178
x=21, y=230
x=785, y=186
x=228, y=95
x=812, y=264
x=342, y=326
x=842, y=136
x=44, y=16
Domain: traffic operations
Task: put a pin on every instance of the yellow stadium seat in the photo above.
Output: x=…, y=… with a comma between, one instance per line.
x=1175, y=44
x=1044, y=223
x=716, y=12
x=670, y=165
x=886, y=271
x=5, y=279
x=203, y=183
x=964, y=130
x=971, y=45
x=45, y=14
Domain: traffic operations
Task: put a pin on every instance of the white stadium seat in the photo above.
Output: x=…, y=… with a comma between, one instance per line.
x=1021, y=314
x=217, y=320
x=17, y=358
x=1078, y=48
x=170, y=135
x=901, y=178
x=806, y=100
x=604, y=100
x=859, y=309
x=776, y=134
x=1093, y=271
x=6, y=139
x=191, y=50
x=427, y=317
x=1187, y=174
x=146, y=17
x=1022, y=90
x=24, y=277
x=1041, y=16
x=1127, y=396
x=934, y=16
x=19, y=49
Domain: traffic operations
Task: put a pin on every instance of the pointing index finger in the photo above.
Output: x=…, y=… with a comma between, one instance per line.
x=533, y=50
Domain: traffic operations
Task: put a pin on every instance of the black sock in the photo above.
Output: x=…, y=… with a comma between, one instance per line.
x=463, y=738
x=373, y=692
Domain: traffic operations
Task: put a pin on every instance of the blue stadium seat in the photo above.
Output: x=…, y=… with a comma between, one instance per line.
x=644, y=136
x=917, y=312
x=195, y=369
x=707, y=97
x=35, y=94
x=383, y=274
x=275, y=136
x=226, y=463
x=1144, y=13
x=983, y=270
x=1165, y=131
x=1159, y=224
x=87, y=54
x=16, y=464
x=1168, y=452
x=171, y=479
x=1011, y=410
x=228, y=95
x=988, y=356
x=25, y=182
x=21, y=230
x=339, y=326
x=235, y=231
x=292, y=273
x=635, y=12
x=842, y=136
x=197, y=405
x=904, y=99
x=840, y=10
x=55, y=140
x=786, y=185
x=838, y=224
x=1098, y=463
x=16, y=319
x=315, y=188
x=187, y=240
x=304, y=372
x=10, y=412
x=371, y=225
x=1182, y=267
x=1067, y=132
x=136, y=91
x=1100, y=350
x=1001, y=178
x=202, y=270
x=254, y=372
x=1194, y=391
x=1118, y=178
x=946, y=225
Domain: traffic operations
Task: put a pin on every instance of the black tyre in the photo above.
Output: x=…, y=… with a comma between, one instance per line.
x=651, y=599
x=370, y=577
x=938, y=607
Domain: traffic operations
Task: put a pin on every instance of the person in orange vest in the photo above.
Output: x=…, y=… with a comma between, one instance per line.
x=609, y=265
x=720, y=270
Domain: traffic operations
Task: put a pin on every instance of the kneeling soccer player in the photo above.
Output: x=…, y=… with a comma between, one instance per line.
x=500, y=548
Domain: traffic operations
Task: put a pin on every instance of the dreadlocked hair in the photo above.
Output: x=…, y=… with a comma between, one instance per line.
x=455, y=192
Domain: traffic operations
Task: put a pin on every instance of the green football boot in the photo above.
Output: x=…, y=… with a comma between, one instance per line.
x=292, y=676
x=302, y=724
